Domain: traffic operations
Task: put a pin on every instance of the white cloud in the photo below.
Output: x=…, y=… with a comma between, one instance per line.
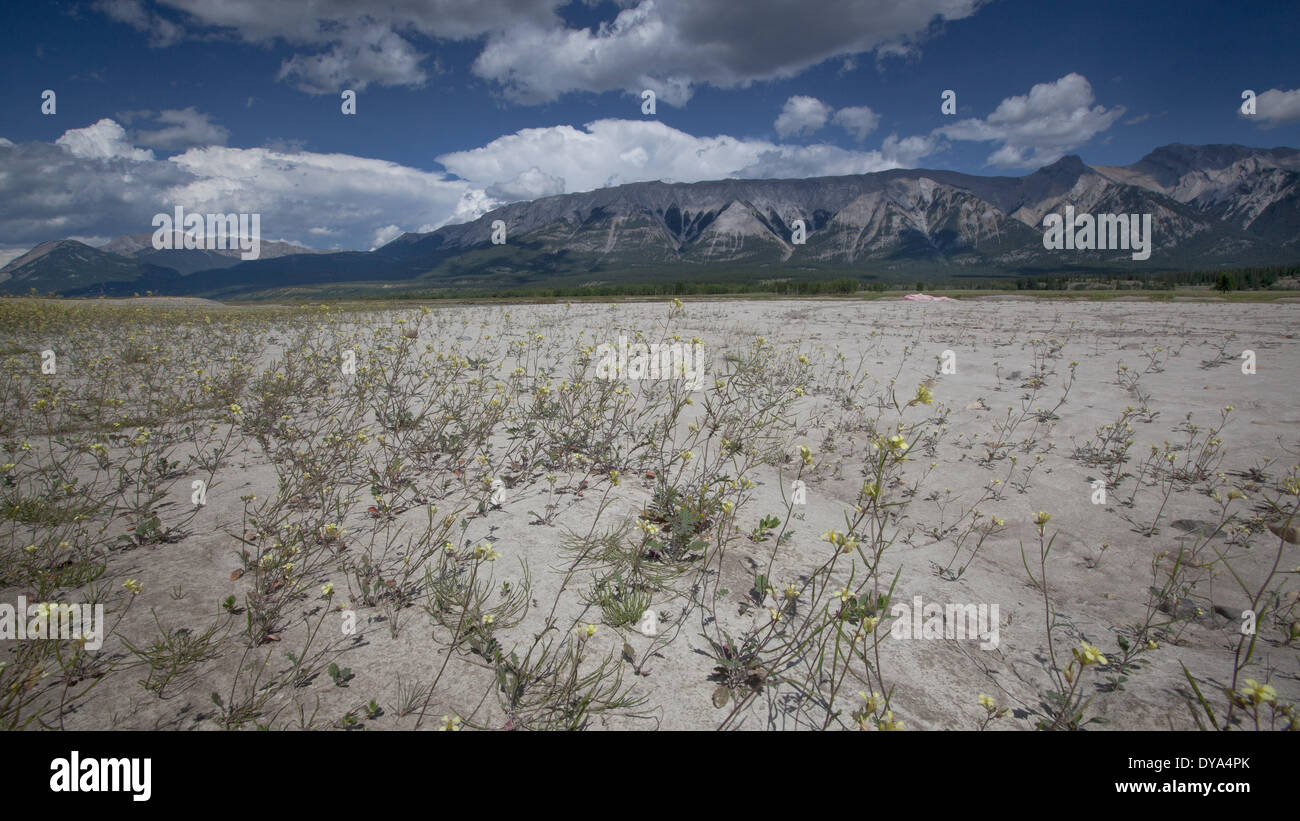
x=294, y=192
x=612, y=152
x=673, y=45
x=345, y=44
x=325, y=21
x=1040, y=127
x=162, y=32
x=372, y=54
x=857, y=120
x=668, y=45
x=607, y=152
x=94, y=182
x=897, y=50
x=385, y=235
x=527, y=185
x=907, y=152
x=802, y=115
x=185, y=128
x=794, y=161
x=1277, y=107
x=473, y=203
x=105, y=140
x=808, y=115
x=93, y=242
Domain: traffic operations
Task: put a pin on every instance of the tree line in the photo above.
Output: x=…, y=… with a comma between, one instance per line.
x=1235, y=279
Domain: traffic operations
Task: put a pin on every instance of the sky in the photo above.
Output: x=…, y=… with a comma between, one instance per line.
x=236, y=106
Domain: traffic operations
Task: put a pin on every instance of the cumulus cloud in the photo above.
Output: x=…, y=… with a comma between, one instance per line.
x=385, y=235
x=325, y=21
x=184, y=129
x=857, y=120
x=671, y=46
x=808, y=115
x=342, y=44
x=53, y=192
x=473, y=203
x=612, y=152
x=603, y=153
x=527, y=185
x=907, y=152
x=802, y=115
x=788, y=161
x=1041, y=127
x=1277, y=107
x=294, y=191
x=373, y=54
x=93, y=182
x=105, y=140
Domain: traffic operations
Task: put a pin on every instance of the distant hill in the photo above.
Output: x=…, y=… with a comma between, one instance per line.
x=129, y=262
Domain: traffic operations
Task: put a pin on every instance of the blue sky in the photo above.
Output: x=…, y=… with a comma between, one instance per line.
x=463, y=105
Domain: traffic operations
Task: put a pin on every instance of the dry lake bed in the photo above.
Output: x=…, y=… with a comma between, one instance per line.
x=1001, y=514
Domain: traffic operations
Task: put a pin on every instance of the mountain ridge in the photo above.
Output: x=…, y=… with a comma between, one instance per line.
x=1212, y=205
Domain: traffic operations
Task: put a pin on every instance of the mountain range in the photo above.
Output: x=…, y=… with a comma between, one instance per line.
x=1212, y=206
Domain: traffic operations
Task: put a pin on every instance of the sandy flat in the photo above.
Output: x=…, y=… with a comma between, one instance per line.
x=1008, y=435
